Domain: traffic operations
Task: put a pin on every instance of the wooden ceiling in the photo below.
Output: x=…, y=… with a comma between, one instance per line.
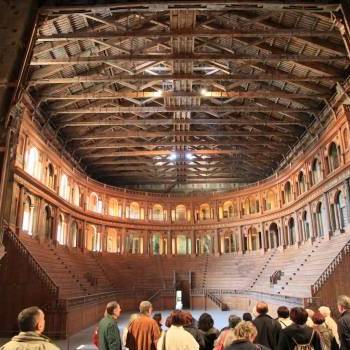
x=186, y=92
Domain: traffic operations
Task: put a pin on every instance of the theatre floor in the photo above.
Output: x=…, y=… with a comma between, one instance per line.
x=82, y=340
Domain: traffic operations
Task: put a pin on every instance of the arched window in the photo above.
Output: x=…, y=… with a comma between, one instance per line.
x=301, y=183
x=291, y=227
x=48, y=222
x=113, y=207
x=246, y=207
x=288, y=192
x=340, y=210
x=112, y=241
x=32, y=164
x=253, y=239
x=316, y=171
x=94, y=204
x=228, y=210
x=180, y=212
x=61, y=230
x=64, y=189
x=306, y=228
x=134, y=210
x=253, y=205
x=274, y=238
x=28, y=216
x=76, y=195
x=271, y=200
x=346, y=138
x=74, y=234
x=157, y=212
x=204, y=212
x=50, y=176
x=318, y=220
x=333, y=157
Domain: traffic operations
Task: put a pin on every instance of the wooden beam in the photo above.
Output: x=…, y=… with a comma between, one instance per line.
x=107, y=35
x=199, y=57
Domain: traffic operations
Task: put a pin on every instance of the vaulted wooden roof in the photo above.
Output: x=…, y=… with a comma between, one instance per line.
x=184, y=92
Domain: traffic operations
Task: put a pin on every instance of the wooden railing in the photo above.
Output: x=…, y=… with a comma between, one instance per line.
x=223, y=306
x=330, y=269
x=42, y=274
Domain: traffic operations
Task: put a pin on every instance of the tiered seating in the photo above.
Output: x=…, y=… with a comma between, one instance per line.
x=299, y=277
x=234, y=271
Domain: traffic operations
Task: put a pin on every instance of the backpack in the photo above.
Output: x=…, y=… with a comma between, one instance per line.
x=95, y=337
x=307, y=346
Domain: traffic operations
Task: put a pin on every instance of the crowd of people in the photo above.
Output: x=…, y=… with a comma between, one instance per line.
x=295, y=329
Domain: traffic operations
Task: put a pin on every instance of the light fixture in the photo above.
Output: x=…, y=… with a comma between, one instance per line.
x=158, y=93
x=172, y=156
x=189, y=156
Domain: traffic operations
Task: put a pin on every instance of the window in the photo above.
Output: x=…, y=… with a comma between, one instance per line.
x=50, y=176
x=113, y=207
x=134, y=210
x=288, y=192
x=94, y=203
x=32, y=165
x=28, y=216
x=340, y=210
x=270, y=200
x=180, y=212
x=318, y=220
x=316, y=171
x=333, y=157
x=74, y=234
x=64, y=189
x=61, y=230
x=301, y=183
x=291, y=227
x=76, y=195
x=346, y=138
x=228, y=210
x=306, y=228
x=157, y=212
x=204, y=212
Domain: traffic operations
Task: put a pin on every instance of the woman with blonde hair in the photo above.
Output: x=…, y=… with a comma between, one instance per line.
x=244, y=335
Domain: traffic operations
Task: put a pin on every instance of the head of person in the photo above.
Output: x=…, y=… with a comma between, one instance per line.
x=343, y=302
x=318, y=318
x=177, y=318
x=113, y=309
x=283, y=312
x=132, y=318
x=146, y=308
x=233, y=321
x=310, y=312
x=158, y=317
x=298, y=315
x=205, y=322
x=325, y=311
x=247, y=316
x=31, y=319
x=188, y=319
x=262, y=308
x=168, y=322
x=245, y=330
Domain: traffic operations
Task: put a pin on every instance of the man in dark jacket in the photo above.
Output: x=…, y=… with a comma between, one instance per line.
x=268, y=328
x=108, y=331
x=298, y=333
x=344, y=322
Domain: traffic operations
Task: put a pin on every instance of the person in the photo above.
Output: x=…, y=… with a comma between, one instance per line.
x=191, y=328
x=206, y=326
x=310, y=314
x=143, y=332
x=176, y=337
x=283, y=317
x=268, y=328
x=31, y=324
x=247, y=316
x=108, y=331
x=226, y=334
x=298, y=334
x=329, y=321
x=327, y=337
x=343, y=302
x=158, y=318
x=125, y=331
x=244, y=335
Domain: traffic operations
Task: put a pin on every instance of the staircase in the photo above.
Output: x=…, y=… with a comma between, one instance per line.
x=264, y=267
x=221, y=305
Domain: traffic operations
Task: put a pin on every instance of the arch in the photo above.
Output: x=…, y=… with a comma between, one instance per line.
x=318, y=220
x=180, y=212
x=64, y=189
x=316, y=171
x=32, y=163
x=333, y=157
x=340, y=210
x=28, y=216
x=346, y=138
x=181, y=244
x=291, y=231
x=253, y=205
x=134, y=210
x=253, y=239
x=48, y=220
x=287, y=192
x=61, y=230
x=94, y=204
x=204, y=211
x=306, y=226
x=113, y=207
x=301, y=183
x=246, y=207
x=76, y=195
x=93, y=238
x=74, y=234
x=157, y=212
x=50, y=176
x=228, y=210
x=113, y=241
x=274, y=237
x=271, y=200
x=134, y=243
